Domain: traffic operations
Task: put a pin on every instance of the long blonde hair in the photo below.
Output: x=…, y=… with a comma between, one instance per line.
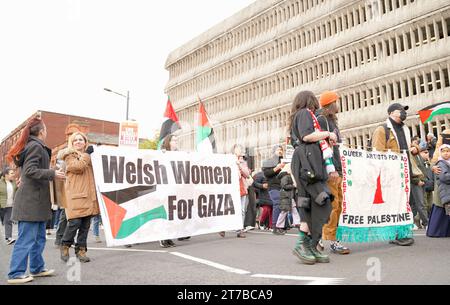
x=72, y=138
x=438, y=145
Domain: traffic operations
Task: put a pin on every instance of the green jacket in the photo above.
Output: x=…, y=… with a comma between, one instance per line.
x=3, y=192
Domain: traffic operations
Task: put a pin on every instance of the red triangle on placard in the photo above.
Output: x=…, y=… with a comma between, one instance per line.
x=378, y=194
x=115, y=215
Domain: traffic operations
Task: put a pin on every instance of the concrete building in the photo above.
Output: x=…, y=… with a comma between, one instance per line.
x=248, y=68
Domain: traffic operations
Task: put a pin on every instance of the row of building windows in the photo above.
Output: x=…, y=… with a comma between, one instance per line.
x=251, y=29
x=409, y=84
x=401, y=40
x=413, y=84
x=340, y=21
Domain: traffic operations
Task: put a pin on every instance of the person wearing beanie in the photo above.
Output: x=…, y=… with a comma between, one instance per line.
x=328, y=122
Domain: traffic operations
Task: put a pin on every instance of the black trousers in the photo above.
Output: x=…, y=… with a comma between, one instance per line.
x=80, y=225
x=62, y=224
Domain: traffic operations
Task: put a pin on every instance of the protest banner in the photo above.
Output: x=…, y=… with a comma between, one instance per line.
x=129, y=134
x=376, y=187
x=148, y=195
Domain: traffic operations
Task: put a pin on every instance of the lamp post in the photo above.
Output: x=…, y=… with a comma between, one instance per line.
x=127, y=96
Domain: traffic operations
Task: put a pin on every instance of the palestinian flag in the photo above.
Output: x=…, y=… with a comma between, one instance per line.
x=427, y=113
x=205, y=135
x=123, y=224
x=170, y=125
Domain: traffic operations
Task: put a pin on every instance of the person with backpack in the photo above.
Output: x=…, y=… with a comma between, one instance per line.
x=310, y=174
x=394, y=135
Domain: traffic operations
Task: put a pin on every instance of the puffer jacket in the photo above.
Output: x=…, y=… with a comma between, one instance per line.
x=286, y=192
x=444, y=182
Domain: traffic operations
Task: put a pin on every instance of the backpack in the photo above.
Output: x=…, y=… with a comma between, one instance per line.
x=387, y=133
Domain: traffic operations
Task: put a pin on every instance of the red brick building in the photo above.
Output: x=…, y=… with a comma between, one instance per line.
x=60, y=127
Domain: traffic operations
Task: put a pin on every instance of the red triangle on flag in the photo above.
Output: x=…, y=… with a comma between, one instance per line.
x=170, y=112
x=116, y=214
x=203, y=118
x=425, y=114
x=378, y=194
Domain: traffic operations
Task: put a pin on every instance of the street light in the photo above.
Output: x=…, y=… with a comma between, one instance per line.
x=127, y=96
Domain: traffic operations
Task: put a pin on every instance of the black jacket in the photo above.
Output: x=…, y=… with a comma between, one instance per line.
x=271, y=176
x=286, y=192
x=32, y=200
x=263, y=197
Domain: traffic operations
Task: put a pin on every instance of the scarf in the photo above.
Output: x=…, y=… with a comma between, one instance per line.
x=327, y=152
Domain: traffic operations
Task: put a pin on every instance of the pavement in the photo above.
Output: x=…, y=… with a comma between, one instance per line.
x=260, y=259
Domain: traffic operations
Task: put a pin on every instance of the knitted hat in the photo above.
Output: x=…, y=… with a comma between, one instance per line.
x=327, y=98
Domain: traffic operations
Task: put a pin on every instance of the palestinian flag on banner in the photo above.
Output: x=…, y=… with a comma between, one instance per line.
x=170, y=125
x=427, y=113
x=122, y=224
x=205, y=134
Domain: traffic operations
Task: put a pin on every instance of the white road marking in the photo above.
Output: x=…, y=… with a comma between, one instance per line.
x=129, y=250
x=312, y=280
x=210, y=263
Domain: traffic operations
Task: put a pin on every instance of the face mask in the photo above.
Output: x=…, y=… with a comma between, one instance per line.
x=403, y=115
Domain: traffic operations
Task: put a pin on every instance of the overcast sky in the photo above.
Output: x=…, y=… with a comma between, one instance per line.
x=58, y=55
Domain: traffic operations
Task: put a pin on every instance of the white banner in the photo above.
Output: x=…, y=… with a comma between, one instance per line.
x=148, y=195
x=376, y=187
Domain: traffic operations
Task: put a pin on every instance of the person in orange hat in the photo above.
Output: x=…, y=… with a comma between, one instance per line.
x=328, y=122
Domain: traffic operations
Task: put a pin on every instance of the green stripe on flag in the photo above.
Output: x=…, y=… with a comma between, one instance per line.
x=203, y=133
x=373, y=234
x=438, y=112
x=131, y=225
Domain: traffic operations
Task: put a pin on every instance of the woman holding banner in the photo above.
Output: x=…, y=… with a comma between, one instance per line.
x=81, y=197
x=244, y=173
x=309, y=171
x=170, y=143
x=439, y=223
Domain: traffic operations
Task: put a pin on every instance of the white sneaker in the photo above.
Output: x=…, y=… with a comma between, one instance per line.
x=415, y=228
x=21, y=280
x=43, y=273
x=97, y=239
x=10, y=241
x=248, y=228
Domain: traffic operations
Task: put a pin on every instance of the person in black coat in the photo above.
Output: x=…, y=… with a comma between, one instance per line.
x=32, y=205
x=271, y=168
x=309, y=171
x=263, y=199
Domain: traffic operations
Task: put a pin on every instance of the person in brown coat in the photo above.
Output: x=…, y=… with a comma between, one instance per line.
x=81, y=199
x=394, y=135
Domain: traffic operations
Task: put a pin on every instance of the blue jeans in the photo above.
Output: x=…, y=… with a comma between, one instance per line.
x=96, y=225
x=30, y=243
x=275, y=197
